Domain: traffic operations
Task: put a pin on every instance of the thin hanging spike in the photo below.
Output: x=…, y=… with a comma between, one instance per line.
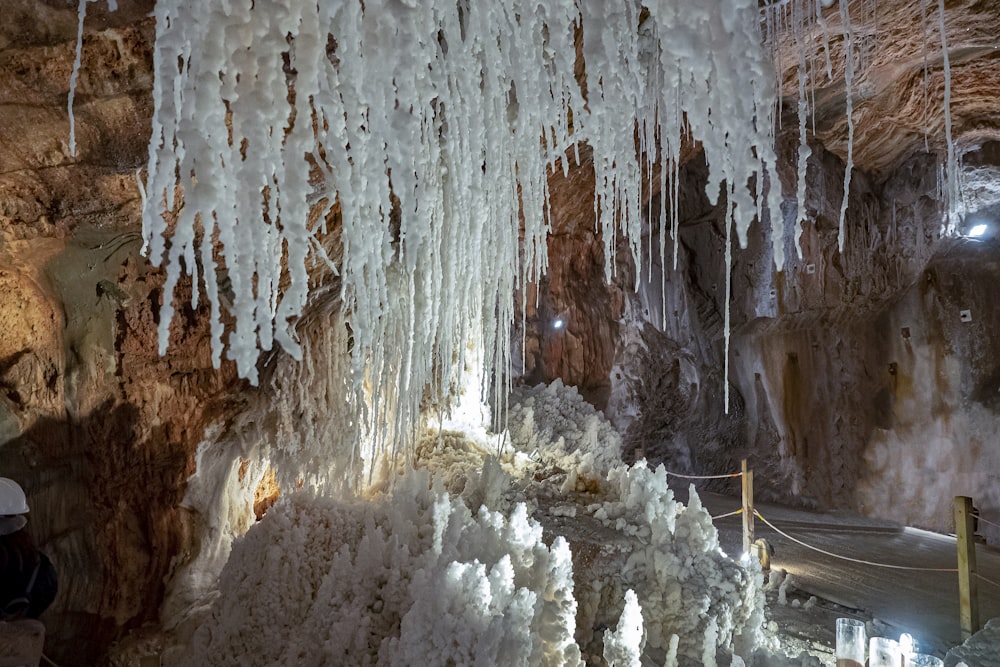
x=675, y=209
x=804, y=151
x=845, y=16
x=953, y=196
x=812, y=75
x=776, y=31
x=759, y=199
x=821, y=20
x=923, y=42
x=873, y=38
x=665, y=167
x=649, y=154
x=729, y=287
x=75, y=75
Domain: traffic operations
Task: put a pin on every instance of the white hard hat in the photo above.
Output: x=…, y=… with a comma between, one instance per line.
x=12, y=500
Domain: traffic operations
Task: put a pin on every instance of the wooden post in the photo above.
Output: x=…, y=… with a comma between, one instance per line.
x=967, y=594
x=747, y=506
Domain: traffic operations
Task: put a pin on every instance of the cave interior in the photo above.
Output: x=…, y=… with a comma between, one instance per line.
x=862, y=374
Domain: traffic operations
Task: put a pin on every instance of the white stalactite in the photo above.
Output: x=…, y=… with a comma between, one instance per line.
x=443, y=133
x=436, y=153
x=953, y=193
x=845, y=17
x=804, y=152
x=81, y=15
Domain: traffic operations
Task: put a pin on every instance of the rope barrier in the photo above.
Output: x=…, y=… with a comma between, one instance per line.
x=982, y=578
x=853, y=560
x=733, y=513
x=979, y=517
x=677, y=474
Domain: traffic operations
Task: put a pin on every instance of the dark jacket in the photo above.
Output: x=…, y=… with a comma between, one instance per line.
x=28, y=581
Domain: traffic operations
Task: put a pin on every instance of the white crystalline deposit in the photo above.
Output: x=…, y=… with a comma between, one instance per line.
x=981, y=649
x=667, y=554
x=845, y=17
x=462, y=467
x=623, y=647
x=75, y=75
x=548, y=427
x=416, y=578
x=686, y=585
x=953, y=185
x=412, y=580
x=432, y=125
x=555, y=426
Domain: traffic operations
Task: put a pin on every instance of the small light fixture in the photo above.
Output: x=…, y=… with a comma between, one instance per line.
x=977, y=230
x=558, y=324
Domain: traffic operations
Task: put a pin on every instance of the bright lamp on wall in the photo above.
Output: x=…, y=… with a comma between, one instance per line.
x=977, y=230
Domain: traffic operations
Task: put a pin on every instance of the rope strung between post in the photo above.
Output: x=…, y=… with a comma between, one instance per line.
x=982, y=578
x=853, y=560
x=723, y=516
x=677, y=474
x=979, y=517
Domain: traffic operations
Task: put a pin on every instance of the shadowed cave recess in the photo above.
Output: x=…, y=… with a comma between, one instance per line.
x=590, y=294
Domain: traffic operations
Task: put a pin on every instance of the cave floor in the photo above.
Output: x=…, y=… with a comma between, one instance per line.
x=922, y=603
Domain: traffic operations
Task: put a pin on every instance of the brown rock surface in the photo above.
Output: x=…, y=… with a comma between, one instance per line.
x=895, y=104
x=98, y=427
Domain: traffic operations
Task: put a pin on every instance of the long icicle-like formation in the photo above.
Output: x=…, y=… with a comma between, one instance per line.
x=845, y=17
x=953, y=193
x=432, y=127
x=804, y=152
x=81, y=14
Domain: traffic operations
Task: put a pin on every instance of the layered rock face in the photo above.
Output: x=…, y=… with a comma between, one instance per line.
x=864, y=379
x=98, y=427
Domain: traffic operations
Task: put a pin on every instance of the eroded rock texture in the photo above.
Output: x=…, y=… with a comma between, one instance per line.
x=865, y=379
x=99, y=428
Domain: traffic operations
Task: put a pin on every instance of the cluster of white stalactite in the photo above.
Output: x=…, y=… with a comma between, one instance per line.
x=447, y=114
x=432, y=126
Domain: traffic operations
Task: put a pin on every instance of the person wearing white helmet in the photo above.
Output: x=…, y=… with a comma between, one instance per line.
x=27, y=578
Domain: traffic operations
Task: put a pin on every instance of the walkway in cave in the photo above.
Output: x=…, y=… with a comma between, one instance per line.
x=925, y=604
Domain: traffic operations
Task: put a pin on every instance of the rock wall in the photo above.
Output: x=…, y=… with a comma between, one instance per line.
x=99, y=428
x=810, y=354
x=873, y=384
x=856, y=381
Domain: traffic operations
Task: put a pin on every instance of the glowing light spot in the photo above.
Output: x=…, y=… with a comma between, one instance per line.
x=558, y=324
x=977, y=230
x=906, y=644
